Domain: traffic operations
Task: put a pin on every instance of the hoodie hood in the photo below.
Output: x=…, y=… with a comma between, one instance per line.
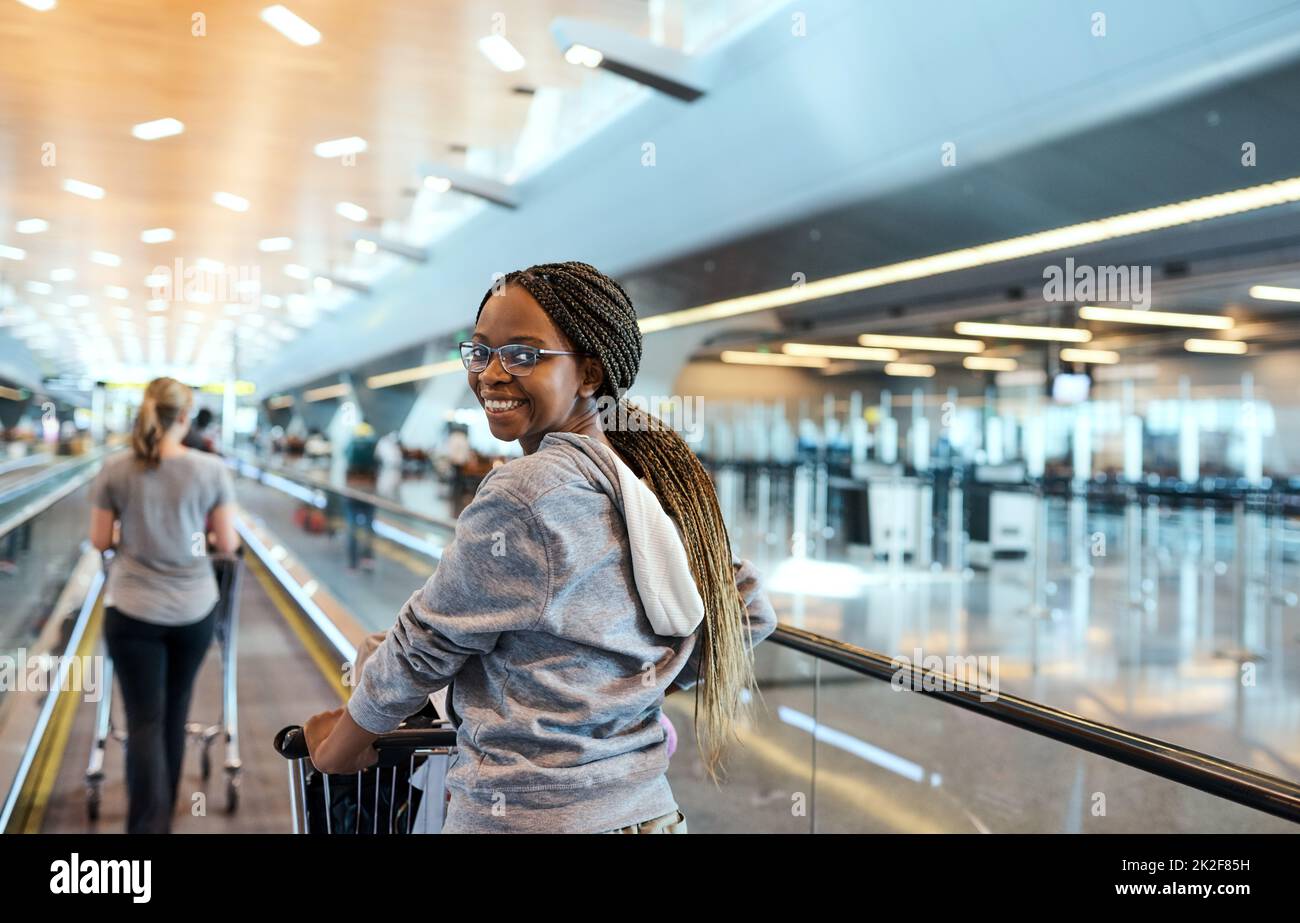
x=663, y=576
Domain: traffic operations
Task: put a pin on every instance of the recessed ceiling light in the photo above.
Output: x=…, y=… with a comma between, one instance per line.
x=104, y=258
x=1098, y=356
x=754, y=358
x=1155, y=318
x=85, y=190
x=12, y=253
x=857, y=353
x=39, y=288
x=294, y=271
x=231, y=201
x=159, y=128
x=32, y=226
x=1223, y=347
x=41, y=6
x=117, y=291
x=503, y=55
x=910, y=370
x=157, y=235
x=340, y=147
x=989, y=363
x=1023, y=332
x=203, y=264
x=584, y=55
x=351, y=212
x=290, y=25
x=1275, y=293
x=275, y=244
x=934, y=344
x=62, y=275
x=78, y=301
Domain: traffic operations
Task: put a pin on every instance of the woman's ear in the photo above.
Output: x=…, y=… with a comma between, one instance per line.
x=593, y=375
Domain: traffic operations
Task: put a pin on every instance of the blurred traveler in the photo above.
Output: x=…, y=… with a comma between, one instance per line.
x=153, y=507
x=198, y=436
x=362, y=467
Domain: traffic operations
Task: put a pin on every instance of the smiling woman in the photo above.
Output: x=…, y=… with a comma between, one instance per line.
x=588, y=579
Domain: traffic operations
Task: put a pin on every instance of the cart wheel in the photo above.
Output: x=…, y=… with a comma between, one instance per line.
x=232, y=795
x=205, y=763
x=92, y=804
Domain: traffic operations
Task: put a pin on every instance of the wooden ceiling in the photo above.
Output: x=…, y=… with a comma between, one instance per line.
x=406, y=75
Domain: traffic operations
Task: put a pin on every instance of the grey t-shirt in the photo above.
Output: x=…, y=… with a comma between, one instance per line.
x=161, y=572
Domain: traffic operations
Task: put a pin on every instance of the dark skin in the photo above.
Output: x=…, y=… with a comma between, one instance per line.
x=558, y=396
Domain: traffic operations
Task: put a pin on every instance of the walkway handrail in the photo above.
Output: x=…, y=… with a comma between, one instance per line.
x=1250, y=787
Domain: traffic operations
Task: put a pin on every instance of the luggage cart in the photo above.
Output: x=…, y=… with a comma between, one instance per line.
x=391, y=797
x=229, y=573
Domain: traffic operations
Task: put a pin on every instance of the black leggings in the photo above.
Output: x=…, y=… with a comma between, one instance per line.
x=156, y=666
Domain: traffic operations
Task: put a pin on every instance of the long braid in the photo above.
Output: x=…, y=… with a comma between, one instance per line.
x=597, y=316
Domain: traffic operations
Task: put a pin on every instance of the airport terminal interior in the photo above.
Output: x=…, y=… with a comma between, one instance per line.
x=980, y=317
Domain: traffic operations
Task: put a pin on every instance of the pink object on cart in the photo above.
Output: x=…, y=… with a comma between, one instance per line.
x=670, y=733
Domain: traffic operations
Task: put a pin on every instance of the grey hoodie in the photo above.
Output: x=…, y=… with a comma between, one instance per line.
x=559, y=677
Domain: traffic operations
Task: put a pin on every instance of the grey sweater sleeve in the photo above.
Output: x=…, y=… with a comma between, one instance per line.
x=494, y=577
x=762, y=619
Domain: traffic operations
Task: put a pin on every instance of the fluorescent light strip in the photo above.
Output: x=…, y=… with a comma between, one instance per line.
x=231, y=201
x=157, y=235
x=503, y=55
x=1097, y=356
x=275, y=244
x=159, y=128
x=103, y=258
x=85, y=190
x=1022, y=332
x=340, y=147
x=583, y=55
x=32, y=226
x=325, y=393
x=990, y=364
x=418, y=373
x=1155, y=318
x=859, y=353
x=290, y=25
x=745, y=358
x=351, y=211
x=1220, y=347
x=1074, y=235
x=910, y=370
x=1274, y=293
x=933, y=344
x=12, y=253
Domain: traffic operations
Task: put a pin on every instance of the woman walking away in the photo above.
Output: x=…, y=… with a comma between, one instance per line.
x=162, y=596
x=587, y=580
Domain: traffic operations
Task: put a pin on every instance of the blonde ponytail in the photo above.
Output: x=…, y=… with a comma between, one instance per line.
x=165, y=401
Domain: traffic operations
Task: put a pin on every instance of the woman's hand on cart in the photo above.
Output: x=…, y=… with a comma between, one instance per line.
x=337, y=744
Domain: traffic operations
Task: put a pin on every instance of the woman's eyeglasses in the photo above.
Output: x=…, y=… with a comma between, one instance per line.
x=518, y=359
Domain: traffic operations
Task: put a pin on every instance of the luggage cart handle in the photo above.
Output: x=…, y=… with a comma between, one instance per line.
x=291, y=742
